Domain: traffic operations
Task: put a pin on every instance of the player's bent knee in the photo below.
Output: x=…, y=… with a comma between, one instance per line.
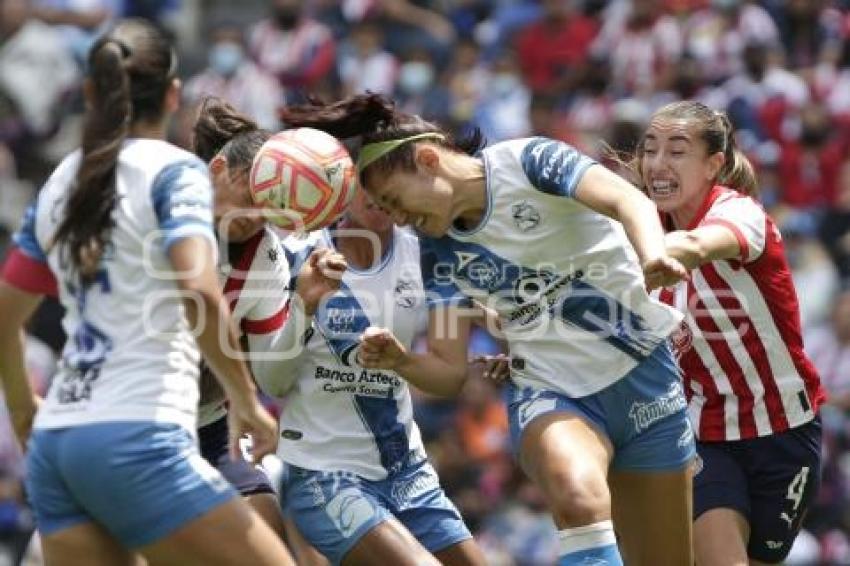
x=577, y=498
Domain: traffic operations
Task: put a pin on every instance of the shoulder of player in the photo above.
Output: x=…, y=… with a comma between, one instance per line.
x=731, y=203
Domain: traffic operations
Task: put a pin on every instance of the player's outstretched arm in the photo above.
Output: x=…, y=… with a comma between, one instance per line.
x=442, y=370
x=609, y=194
x=193, y=261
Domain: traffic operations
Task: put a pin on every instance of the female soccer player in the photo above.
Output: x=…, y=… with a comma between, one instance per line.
x=357, y=482
x=256, y=278
x=123, y=229
x=530, y=229
x=753, y=393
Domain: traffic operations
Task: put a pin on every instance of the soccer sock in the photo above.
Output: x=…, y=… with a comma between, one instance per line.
x=590, y=544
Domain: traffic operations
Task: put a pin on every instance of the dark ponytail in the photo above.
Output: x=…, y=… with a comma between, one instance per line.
x=374, y=118
x=220, y=128
x=130, y=70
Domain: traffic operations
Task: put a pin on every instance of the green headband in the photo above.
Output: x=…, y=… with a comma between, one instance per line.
x=371, y=152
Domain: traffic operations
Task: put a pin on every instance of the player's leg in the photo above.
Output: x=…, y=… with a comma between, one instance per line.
x=305, y=554
x=344, y=517
x=416, y=499
x=784, y=480
x=389, y=543
x=230, y=533
x=567, y=455
x=147, y=485
x=721, y=506
x=720, y=538
x=652, y=514
x=651, y=477
x=250, y=481
x=86, y=543
x=67, y=534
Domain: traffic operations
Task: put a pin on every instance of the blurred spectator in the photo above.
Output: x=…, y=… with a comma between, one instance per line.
x=363, y=62
x=759, y=98
x=231, y=75
x=716, y=36
x=811, y=30
x=551, y=51
x=828, y=346
x=811, y=267
x=36, y=71
x=418, y=91
x=295, y=48
x=810, y=162
x=466, y=78
x=834, y=230
x=547, y=119
x=502, y=112
x=643, y=43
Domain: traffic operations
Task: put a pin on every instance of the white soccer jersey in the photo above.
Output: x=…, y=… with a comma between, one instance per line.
x=255, y=277
x=740, y=347
x=564, y=279
x=338, y=415
x=130, y=355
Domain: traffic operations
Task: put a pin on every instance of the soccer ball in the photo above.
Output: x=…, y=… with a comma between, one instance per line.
x=303, y=179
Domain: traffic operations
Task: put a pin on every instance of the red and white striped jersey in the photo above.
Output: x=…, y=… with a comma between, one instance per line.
x=256, y=280
x=740, y=346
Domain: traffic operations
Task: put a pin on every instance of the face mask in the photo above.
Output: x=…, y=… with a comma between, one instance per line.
x=286, y=18
x=415, y=77
x=225, y=58
x=504, y=83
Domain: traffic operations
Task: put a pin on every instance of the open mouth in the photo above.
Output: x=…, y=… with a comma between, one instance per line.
x=663, y=189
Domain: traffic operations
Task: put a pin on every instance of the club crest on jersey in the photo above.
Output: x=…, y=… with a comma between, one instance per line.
x=525, y=216
x=682, y=339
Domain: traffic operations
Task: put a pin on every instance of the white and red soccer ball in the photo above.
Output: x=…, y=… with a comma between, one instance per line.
x=303, y=179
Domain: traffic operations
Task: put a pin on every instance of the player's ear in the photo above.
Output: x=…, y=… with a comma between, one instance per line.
x=428, y=158
x=173, y=95
x=218, y=164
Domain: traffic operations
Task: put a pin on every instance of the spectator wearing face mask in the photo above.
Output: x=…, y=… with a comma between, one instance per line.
x=295, y=48
x=503, y=110
x=418, y=90
x=364, y=64
x=231, y=75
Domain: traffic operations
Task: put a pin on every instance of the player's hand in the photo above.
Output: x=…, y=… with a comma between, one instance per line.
x=663, y=271
x=320, y=276
x=22, y=418
x=380, y=349
x=251, y=418
x=496, y=368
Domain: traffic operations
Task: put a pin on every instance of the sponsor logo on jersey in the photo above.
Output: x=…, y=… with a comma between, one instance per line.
x=405, y=294
x=406, y=490
x=645, y=415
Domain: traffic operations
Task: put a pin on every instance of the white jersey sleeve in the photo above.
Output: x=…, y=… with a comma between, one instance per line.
x=745, y=218
x=554, y=167
x=182, y=201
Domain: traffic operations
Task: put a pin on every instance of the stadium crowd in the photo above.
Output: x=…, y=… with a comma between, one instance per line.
x=589, y=72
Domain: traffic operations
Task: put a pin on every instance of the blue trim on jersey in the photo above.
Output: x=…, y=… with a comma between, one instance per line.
x=26, y=239
x=342, y=320
x=380, y=415
x=296, y=259
x=554, y=167
x=589, y=309
x=182, y=201
x=440, y=289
